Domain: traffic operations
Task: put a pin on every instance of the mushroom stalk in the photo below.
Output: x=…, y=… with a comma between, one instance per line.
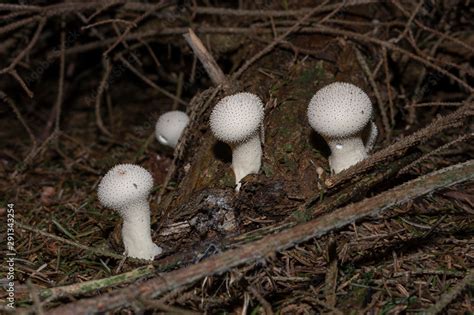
x=137, y=241
x=237, y=120
x=125, y=188
x=345, y=153
x=246, y=158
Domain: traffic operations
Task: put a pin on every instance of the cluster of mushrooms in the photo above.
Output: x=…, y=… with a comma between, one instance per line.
x=339, y=112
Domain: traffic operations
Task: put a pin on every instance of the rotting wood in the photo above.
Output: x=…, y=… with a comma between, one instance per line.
x=280, y=241
x=314, y=207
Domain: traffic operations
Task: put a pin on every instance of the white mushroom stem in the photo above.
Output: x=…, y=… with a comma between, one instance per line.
x=136, y=232
x=246, y=158
x=345, y=153
x=237, y=120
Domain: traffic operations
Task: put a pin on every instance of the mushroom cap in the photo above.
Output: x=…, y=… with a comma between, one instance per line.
x=170, y=126
x=237, y=117
x=124, y=184
x=339, y=110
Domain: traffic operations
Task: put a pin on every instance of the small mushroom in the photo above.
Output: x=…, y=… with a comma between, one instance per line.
x=339, y=112
x=170, y=126
x=236, y=120
x=125, y=188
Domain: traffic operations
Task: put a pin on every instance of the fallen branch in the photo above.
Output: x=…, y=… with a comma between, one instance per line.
x=212, y=68
x=97, y=284
x=275, y=13
x=277, y=242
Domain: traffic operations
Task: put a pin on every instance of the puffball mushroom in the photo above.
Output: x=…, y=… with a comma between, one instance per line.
x=125, y=188
x=170, y=126
x=339, y=112
x=236, y=120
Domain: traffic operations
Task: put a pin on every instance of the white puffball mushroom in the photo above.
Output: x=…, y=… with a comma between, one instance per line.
x=236, y=120
x=170, y=126
x=339, y=112
x=125, y=188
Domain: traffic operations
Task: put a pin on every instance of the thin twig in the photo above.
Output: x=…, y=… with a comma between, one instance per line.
x=433, y=31
x=151, y=52
x=98, y=99
x=241, y=30
x=454, y=273
x=27, y=49
x=13, y=26
x=331, y=275
x=410, y=21
x=179, y=90
x=137, y=60
x=212, y=68
x=15, y=7
x=4, y=97
x=98, y=252
x=245, y=30
x=454, y=292
x=134, y=24
x=429, y=104
x=33, y=153
x=107, y=22
x=277, y=40
x=22, y=83
x=275, y=13
x=276, y=242
x=388, y=86
x=365, y=67
x=66, y=8
x=267, y=307
x=436, y=151
x=106, y=6
x=149, y=82
x=62, y=66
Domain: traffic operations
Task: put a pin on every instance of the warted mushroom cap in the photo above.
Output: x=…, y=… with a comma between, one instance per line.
x=170, y=126
x=339, y=110
x=124, y=184
x=237, y=117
